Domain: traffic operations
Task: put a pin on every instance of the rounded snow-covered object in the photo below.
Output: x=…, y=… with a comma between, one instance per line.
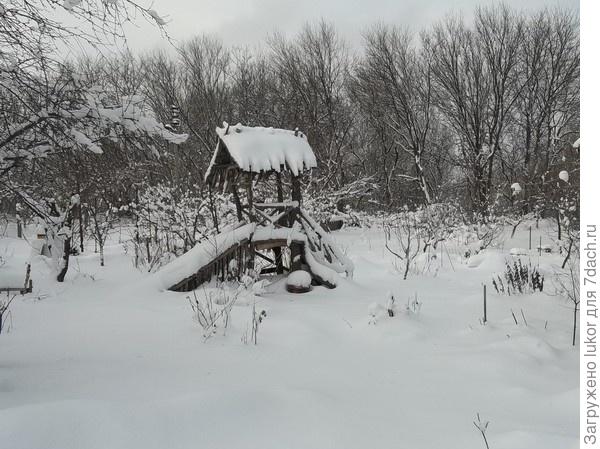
x=298, y=281
x=564, y=175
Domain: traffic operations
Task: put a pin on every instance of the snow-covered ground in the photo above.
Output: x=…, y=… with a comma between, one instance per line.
x=105, y=360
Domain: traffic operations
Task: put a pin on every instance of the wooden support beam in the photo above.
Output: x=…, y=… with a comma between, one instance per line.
x=295, y=248
x=262, y=256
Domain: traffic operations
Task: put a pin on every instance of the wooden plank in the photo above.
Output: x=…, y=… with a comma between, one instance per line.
x=283, y=205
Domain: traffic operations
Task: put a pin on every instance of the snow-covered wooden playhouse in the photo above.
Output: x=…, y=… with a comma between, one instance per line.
x=244, y=157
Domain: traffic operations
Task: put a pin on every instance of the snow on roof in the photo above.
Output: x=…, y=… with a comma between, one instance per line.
x=256, y=149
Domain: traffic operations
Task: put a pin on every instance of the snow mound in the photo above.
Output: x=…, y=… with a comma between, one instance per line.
x=14, y=258
x=375, y=309
x=490, y=260
x=299, y=278
x=475, y=260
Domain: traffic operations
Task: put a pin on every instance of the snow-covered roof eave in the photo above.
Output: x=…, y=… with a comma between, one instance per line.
x=259, y=149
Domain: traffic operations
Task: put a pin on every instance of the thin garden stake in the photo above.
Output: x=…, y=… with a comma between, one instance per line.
x=484, y=304
x=514, y=317
x=524, y=320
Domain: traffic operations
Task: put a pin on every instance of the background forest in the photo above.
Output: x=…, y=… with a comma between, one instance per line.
x=480, y=116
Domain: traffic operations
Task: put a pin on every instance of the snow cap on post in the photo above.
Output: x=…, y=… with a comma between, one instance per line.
x=564, y=175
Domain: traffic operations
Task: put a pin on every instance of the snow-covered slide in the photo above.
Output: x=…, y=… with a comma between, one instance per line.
x=237, y=248
x=206, y=259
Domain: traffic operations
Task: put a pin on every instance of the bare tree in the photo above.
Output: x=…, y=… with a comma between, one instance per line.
x=311, y=85
x=205, y=67
x=547, y=109
x=476, y=85
x=395, y=79
x=403, y=238
x=41, y=103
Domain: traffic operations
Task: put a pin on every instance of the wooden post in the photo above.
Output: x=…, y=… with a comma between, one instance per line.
x=236, y=200
x=484, y=304
x=250, y=252
x=295, y=247
x=250, y=195
x=529, y=237
x=277, y=251
x=27, y=279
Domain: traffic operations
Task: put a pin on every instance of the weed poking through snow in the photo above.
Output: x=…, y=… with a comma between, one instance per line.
x=518, y=279
x=4, y=310
x=257, y=319
x=213, y=311
x=482, y=427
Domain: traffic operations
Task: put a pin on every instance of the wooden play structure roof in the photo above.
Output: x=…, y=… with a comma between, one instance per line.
x=258, y=150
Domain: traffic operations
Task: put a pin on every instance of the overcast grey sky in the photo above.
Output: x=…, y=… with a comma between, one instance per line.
x=248, y=22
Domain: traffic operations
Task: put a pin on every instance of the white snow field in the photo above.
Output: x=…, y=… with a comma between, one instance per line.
x=106, y=360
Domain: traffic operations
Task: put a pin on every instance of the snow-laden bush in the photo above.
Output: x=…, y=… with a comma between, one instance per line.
x=168, y=222
x=410, y=233
x=477, y=233
x=403, y=239
x=323, y=208
x=102, y=218
x=328, y=204
x=437, y=222
x=416, y=237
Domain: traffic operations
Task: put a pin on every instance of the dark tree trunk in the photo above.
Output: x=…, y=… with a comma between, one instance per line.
x=68, y=223
x=575, y=323
x=65, y=257
x=80, y=218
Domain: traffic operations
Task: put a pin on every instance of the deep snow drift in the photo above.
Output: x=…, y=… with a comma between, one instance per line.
x=106, y=360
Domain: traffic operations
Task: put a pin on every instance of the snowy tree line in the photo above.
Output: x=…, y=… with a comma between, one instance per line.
x=482, y=114
x=460, y=111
